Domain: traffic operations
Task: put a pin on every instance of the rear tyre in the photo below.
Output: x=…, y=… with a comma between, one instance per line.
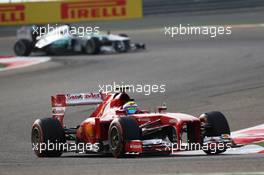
x=92, y=46
x=50, y=51
x=122, y=130
x=215, y=125
x=47, y=137
x=23, y=47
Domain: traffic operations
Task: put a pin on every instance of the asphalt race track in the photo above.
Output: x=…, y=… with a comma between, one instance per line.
x=201, y=74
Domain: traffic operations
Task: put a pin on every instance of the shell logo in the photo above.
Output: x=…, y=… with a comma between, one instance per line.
x=88, y=130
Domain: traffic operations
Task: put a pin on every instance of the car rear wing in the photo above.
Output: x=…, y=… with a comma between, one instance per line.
x=61, y=101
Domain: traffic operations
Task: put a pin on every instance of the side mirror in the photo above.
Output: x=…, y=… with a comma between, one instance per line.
x=120, y=112
x=144, y=111
x=162, y=108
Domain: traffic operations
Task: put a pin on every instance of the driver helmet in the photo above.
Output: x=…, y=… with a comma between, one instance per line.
x=130, y=107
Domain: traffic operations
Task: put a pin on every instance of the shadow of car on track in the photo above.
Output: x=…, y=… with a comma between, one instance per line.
x=145, y=156
x=82, y=54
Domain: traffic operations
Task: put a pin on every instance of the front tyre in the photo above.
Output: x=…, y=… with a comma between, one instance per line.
x=120, y=131
x=47, y=137
x=92, y=46
x=121, y=46
x=214, y=125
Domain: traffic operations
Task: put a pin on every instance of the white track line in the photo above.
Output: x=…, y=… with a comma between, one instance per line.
x=231, y=173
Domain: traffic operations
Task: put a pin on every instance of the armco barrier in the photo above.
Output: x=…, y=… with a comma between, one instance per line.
x=68, y=11
x=171, y=6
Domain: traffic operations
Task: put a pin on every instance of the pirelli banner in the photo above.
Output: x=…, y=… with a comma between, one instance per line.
x=68, y=11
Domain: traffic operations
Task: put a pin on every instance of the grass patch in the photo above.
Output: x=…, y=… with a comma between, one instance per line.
x=261, y=143
x=2, y=65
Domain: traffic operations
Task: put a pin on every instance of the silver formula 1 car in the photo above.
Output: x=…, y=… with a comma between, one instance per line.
x=60, y=40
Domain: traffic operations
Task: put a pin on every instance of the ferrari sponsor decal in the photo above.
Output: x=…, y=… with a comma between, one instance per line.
x=69, y=11
x=58, y=110
x=133, y=146
x=144, y=119
x=172, y=121
x=83, y=98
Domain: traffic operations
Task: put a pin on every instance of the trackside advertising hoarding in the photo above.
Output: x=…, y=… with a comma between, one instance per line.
x=68, y=11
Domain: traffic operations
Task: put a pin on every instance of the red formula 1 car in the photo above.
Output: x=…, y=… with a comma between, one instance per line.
x=110, y=129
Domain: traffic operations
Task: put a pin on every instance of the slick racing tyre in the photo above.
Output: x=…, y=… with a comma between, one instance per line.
x=122, y=130
x=47, y=137
x=215, y=125
x=140, y=46
x=50, y=51
x=121, y=46
x=92, y=46
x=23, y=47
